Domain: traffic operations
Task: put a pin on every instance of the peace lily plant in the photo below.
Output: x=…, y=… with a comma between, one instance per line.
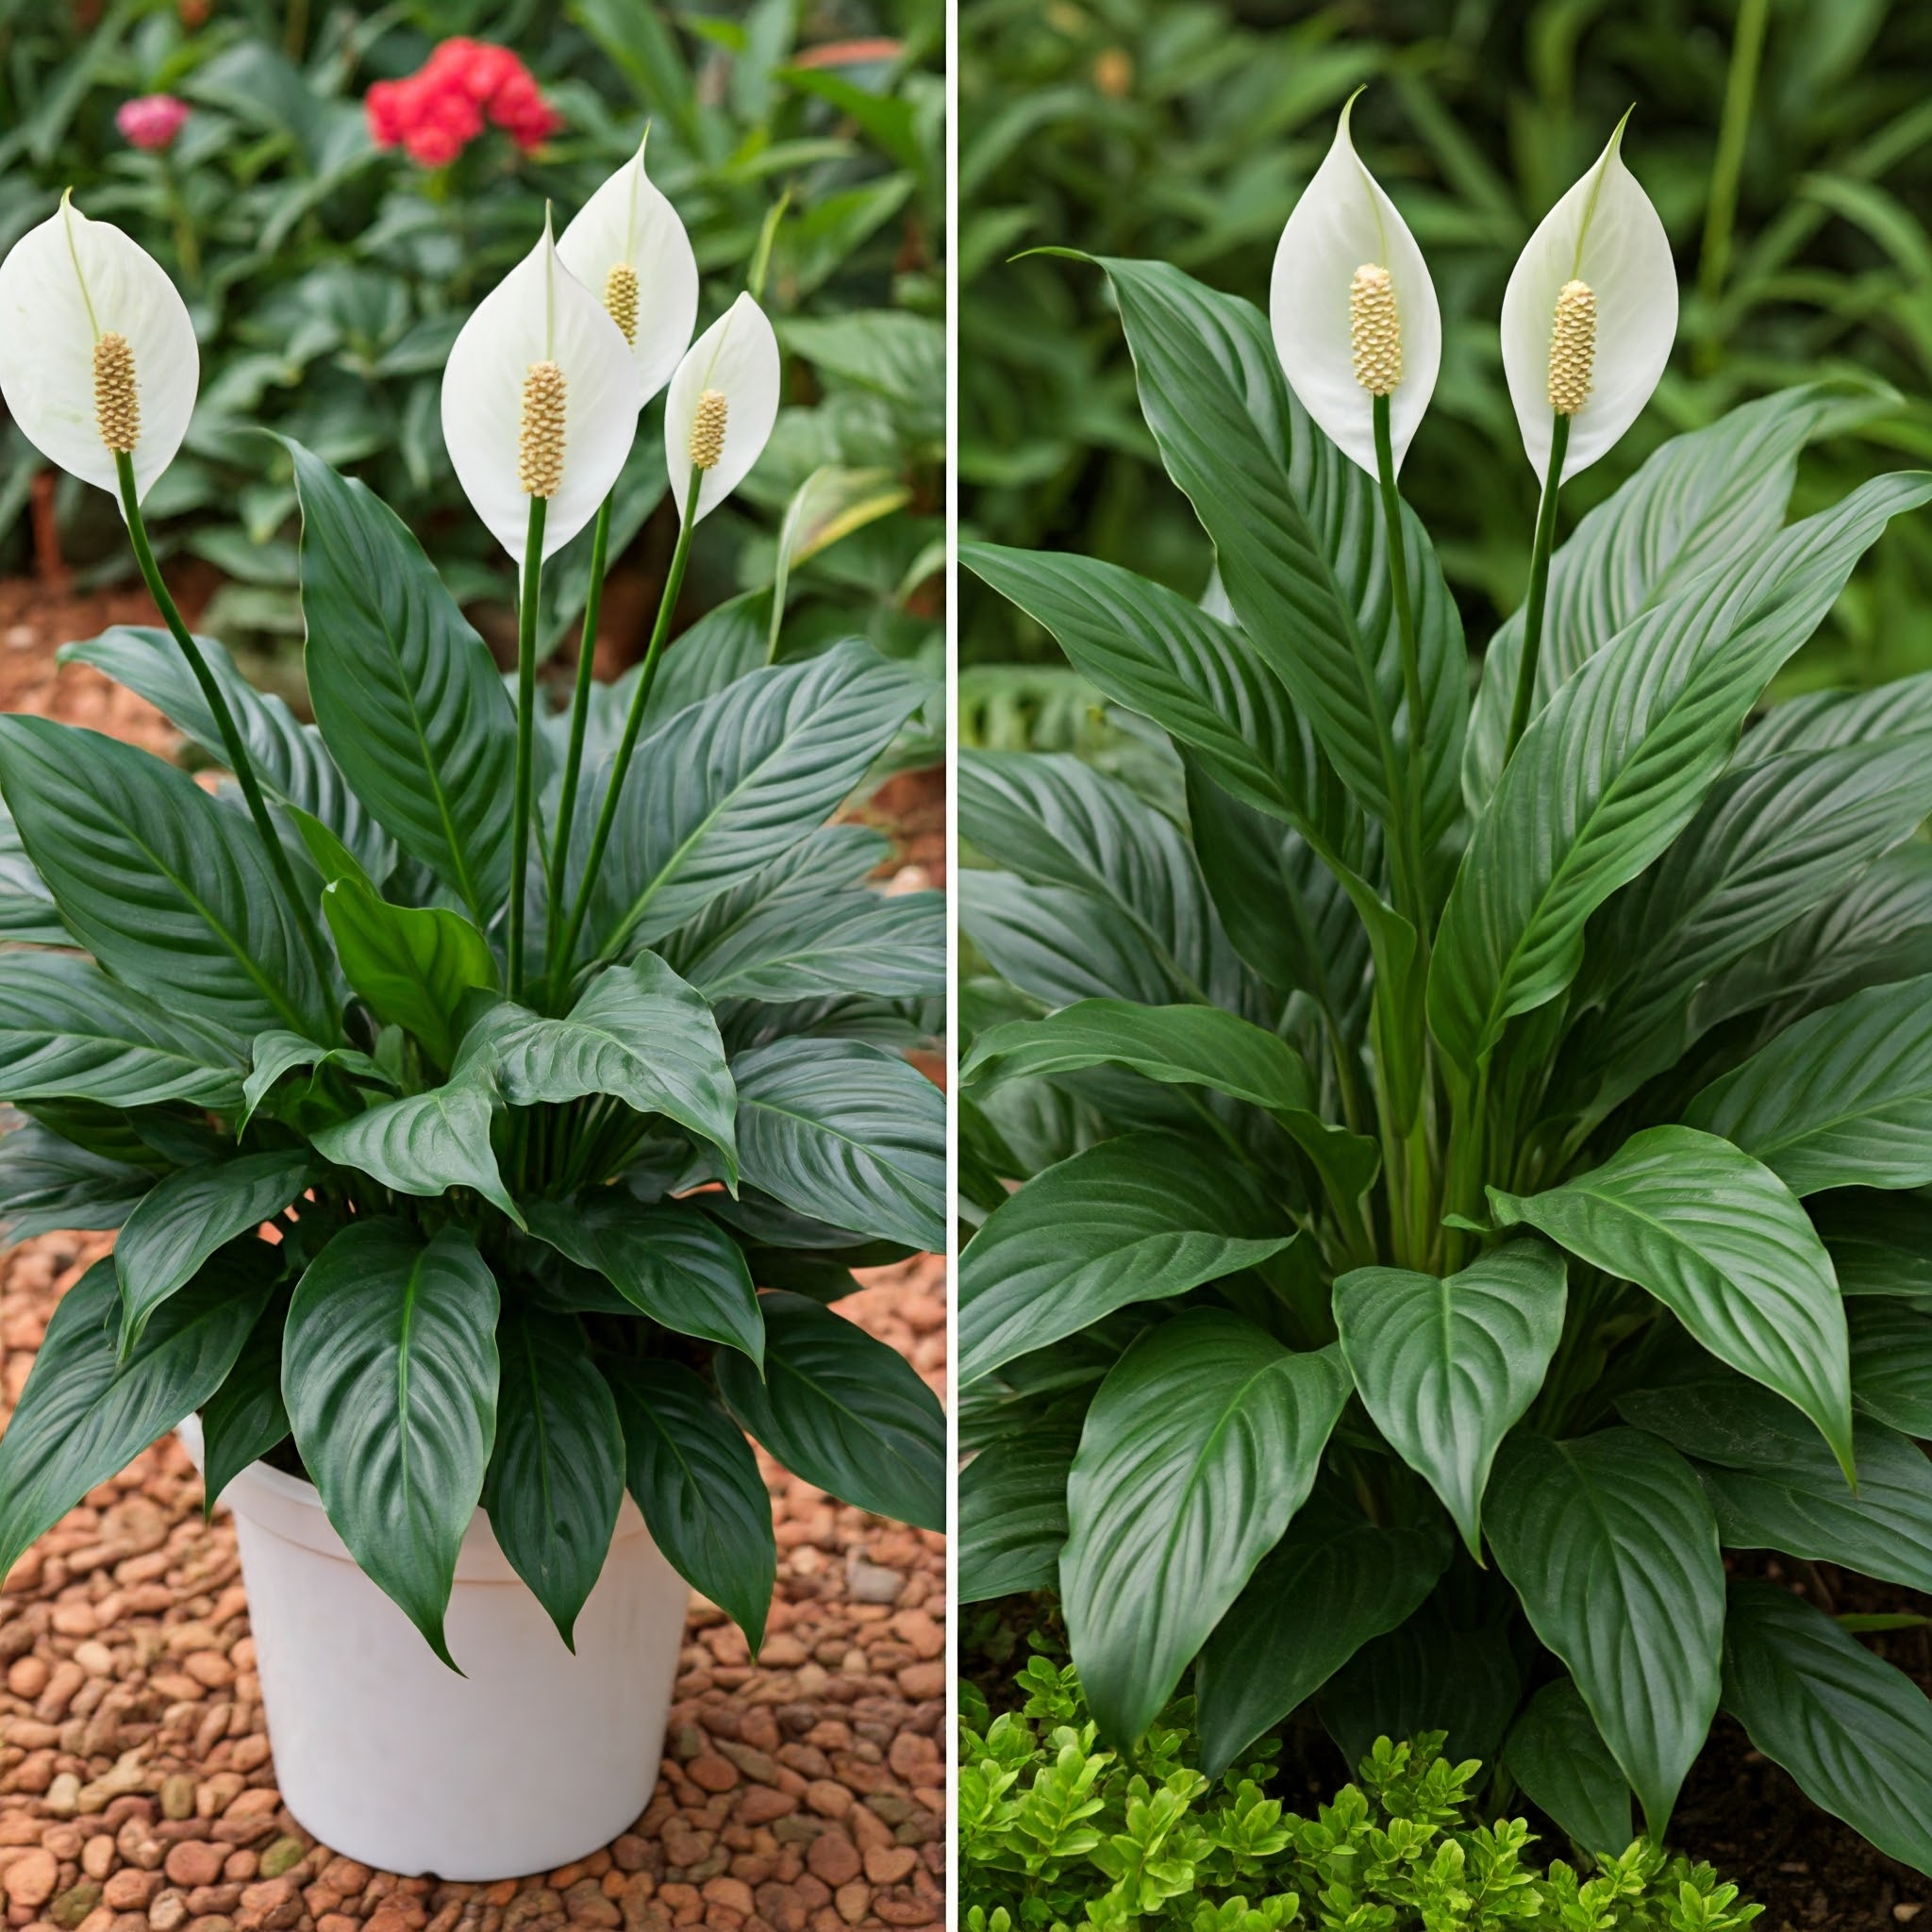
x=490, y=1102
x=1448, y=1168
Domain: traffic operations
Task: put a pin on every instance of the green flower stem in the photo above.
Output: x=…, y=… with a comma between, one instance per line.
x=1538, y=587
x=580, y=703
x=1412, y=657
x=239, y=761
x=526, y=731
x=620, y=766
x=1734, y=129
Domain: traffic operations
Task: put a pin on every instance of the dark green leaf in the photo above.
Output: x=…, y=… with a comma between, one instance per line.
x=1333, y=1583
x=175, y=1229
x=1201, y=1444
x=1724, y=1246
x=1855, y=1733
x=1133, y=1219
x=847, y=1133
x=425, y=1143
x=1891, y=1364
x=1012, y=1516
x=85, y=1414
x=1558, y=1756
x=556, y=1474
x=169, y=889
x=1448, y=1368
x=47, y=1182
x=672, y=1263
x=277, y=1053
x=842, y=1411
x=405, y=694
x=1609, y=1543
x=245, y=1417
x=697, y=1482
x=390, y=1370
x=1425, y=1675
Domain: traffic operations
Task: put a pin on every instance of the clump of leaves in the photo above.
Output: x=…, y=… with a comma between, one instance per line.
x=1055, y=1831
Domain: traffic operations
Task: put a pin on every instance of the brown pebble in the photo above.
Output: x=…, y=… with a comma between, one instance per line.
x=710, y=1772
x=30, y=1879
x=27, y=1676
x=195, y=1862
x=834, y=1858
x=827, y=1798
x=131, y=1890
x=168, y=1912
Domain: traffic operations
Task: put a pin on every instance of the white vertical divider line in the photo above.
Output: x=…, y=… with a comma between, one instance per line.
x=949, y=1744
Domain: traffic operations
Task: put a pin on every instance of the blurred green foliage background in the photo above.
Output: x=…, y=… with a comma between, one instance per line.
x=801, y=141
x=1787, y=143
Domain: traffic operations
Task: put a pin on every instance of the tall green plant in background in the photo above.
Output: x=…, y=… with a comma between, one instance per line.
x=327, y=279
x=1788, y=149
x=1469, y=1151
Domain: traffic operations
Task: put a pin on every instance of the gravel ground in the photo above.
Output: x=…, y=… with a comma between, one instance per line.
x=138, y=1789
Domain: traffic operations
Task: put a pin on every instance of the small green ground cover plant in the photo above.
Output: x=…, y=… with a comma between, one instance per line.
x=1056, y=1831
x=1448, y=1165
x=490, y=1100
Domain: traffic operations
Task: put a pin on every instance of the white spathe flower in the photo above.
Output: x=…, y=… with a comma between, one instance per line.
x=1589, y=314
x=97, y=350
x=539, y=399
x=722, y=405
x=1338, y=340
x=628, y=247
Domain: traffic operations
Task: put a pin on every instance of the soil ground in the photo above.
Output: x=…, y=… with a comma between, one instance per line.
x=802, y=1791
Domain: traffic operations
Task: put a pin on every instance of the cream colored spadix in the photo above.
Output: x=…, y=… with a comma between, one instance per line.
x=1353, y=307
x=539, y=398
x=722, y=403
x=628, y=247
x=97, y=350
x=1589, y=314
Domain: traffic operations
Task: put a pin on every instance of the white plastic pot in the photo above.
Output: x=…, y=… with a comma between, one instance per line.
x=531, y=1758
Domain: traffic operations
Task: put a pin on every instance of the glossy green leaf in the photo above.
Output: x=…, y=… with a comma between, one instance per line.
x=556, y=1474
x=1697, y=502
x=390, y=1370
x=1617, y=763
x=278, y=1053
x=407, y=695
x=1181, y=1046
x=1012, y=1517
x=1201, y=1444
x=245, y=1417
x=847, y=1133
x=697, y=1482
x=831, y=942
x=1137, y=1219
x=639, y=1033
x=1843, y=1099
x=1719, y=1241
x=290, y=760
x=1823, y=719
x=169, y=889
x=1299, y=538
x=1855, y=1733
x=1058, y=823
x=1776, y=1487
x=1558, y=1756
x=425, y=1143
x=1609, y=1542
x=1767, y=845
x=1060, y=944
x=1425, y=1675
x=1448, y=1368
x=411, y=964
x=728, y=784
x=67, y=1031
x=843, y=1411
x=168, y=1238
x=47, y=1182
x=1335, y=1582
x=669, y=1261
x=1879, y=1243
x=1891, y=1364
x=85, y=1413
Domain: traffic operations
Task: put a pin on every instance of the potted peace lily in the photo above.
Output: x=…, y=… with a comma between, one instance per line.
x=490, y=1102
x=1470, y=1152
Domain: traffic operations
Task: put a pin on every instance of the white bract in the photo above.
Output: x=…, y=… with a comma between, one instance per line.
x=722, y=403
x=95, y=343
x=539, y=398
x=628, y=247
x=1602, y=248
x=1332, y=322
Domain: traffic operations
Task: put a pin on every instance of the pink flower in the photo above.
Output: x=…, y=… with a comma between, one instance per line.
x=151, y=120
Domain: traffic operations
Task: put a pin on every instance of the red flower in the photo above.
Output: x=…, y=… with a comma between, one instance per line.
x=151, y=120
x=436, y=112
